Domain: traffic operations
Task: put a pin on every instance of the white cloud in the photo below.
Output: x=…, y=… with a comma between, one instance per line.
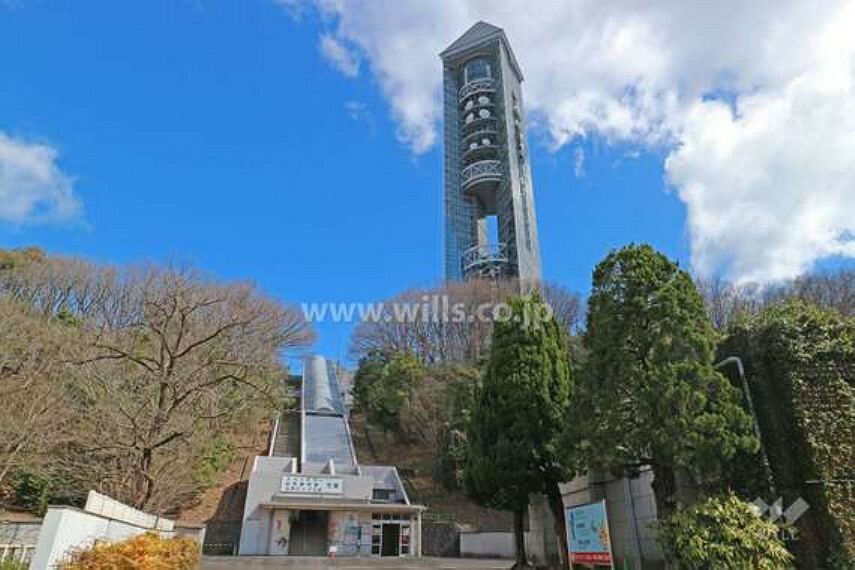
x=33, y=189
x=579, y=162
x=345, y=60
x=768, y=189
x=296, y=8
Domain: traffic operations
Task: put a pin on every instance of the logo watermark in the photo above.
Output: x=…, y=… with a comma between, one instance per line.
x=783, y=518
x=439, y=309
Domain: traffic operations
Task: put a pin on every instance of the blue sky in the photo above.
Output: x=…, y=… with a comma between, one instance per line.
x=216, y=133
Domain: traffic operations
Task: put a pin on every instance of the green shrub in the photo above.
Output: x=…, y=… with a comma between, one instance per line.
x=31, y=488
x=451, y=444
x=723, y=533
x=219, y=455
x=144, y=552
x=800, y=364
x=383, y=385
x=11, y=565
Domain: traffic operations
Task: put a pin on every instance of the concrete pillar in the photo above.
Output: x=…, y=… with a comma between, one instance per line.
x=419, y=534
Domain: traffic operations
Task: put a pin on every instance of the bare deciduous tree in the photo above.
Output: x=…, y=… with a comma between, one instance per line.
x=834, y=290
x=33, y=382
x=197, y=356
x=726, y=301
x=452, y=323
x=158, y=365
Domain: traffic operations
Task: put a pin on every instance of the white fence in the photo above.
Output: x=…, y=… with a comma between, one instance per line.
x=16, y=553
x=18, y=540
x=65, y=529
x=102, y=505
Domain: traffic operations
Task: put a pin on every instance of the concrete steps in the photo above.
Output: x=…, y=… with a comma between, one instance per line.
x=288, y=437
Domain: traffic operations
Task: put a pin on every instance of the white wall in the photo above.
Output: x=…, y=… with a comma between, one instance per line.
x=280, y=521
x=105, y=506
x=66, y=528
x=265, y=482
x=487, y=544
x=623, y=497
x=498, y=545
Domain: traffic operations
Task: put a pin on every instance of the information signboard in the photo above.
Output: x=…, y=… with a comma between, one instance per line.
x=312, y=485
x=588, y=535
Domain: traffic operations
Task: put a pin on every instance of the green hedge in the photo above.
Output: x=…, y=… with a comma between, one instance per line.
x=722, y=533
x=800, y=362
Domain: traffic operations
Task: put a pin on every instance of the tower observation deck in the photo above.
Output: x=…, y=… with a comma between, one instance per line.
x=490, y=223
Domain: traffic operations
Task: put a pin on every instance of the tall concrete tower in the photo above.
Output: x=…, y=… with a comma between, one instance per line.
x=490, y=223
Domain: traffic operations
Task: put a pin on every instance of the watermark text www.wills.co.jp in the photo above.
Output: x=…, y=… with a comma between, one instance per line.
x=427, y=309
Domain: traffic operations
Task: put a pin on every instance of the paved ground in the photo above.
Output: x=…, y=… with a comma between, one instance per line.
x=270, y=562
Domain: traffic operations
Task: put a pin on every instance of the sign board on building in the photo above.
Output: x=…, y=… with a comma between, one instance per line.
x=588, y=535
x=312, y=485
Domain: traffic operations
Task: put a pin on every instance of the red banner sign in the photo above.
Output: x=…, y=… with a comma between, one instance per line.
x=596, y=558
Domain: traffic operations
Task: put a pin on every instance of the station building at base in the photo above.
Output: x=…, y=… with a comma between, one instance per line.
x=310, y=496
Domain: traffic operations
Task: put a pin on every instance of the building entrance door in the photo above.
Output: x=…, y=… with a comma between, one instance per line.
x=391, y=540
x=309, y=534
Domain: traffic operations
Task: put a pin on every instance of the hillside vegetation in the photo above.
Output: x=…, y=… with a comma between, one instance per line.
x=416, y=462
x=137, y=382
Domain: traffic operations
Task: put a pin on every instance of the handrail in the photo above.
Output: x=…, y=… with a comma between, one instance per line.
x=481, y=169
x=489, y=259
x=475, y=86
x=484, y=131
x=275, y=433
x=489, y=253
x=479, y=121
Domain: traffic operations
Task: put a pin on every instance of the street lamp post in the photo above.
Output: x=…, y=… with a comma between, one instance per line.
x=746, y=389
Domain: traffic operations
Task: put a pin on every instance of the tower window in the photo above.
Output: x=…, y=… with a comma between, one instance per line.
x=477, y=69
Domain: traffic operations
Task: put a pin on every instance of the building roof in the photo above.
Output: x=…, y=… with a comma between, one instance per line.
x=322, y=393
x=479, y=34
x=387, y=477
x=344, y=506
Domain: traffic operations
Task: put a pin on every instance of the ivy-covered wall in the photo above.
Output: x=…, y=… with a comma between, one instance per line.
x=800, y=363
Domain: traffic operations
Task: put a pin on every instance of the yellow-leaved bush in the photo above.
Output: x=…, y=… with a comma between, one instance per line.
x=143, y=552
